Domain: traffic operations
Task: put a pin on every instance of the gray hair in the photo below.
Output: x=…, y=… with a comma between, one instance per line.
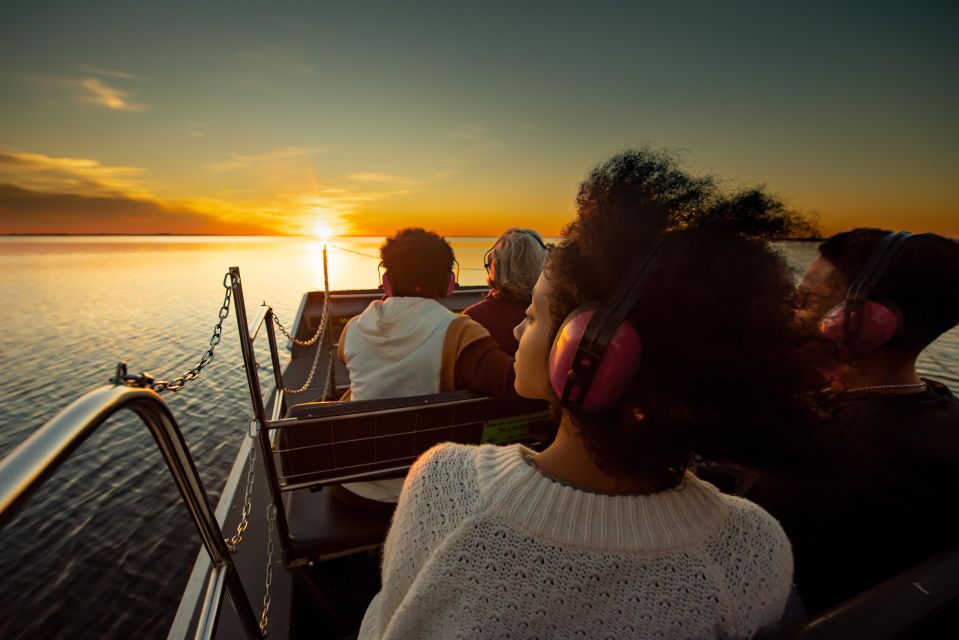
x=517, y=259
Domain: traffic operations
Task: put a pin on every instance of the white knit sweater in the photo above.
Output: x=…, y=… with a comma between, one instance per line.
x=483, y=545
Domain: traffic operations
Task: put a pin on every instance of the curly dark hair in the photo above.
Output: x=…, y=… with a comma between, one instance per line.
x=417, y=262
x=646, y=176
x=720, y=367
x=922, y=280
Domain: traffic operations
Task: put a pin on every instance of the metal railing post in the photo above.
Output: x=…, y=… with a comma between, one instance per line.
x=33, y=461
x=253, y=378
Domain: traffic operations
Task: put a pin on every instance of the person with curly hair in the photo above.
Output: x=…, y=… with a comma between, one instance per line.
x=606, y=533
x=513, y=265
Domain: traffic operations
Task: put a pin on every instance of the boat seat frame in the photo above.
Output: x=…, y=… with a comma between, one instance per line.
x=323, y=443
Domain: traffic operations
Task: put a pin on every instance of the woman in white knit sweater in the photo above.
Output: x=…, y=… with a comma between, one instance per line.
x=605, y=534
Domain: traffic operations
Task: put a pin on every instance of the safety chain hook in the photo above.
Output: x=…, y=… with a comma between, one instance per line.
x=147, y=381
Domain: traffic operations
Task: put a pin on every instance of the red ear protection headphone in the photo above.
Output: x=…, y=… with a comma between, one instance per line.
x=858, y=325
x=596, y=352
x=387, y=286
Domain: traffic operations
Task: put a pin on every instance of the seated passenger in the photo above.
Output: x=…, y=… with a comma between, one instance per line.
x=605, y=533
x=880, y=495
x=409, y=344
x=513, y=264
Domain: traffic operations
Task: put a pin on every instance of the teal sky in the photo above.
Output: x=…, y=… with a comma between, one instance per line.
x=277, y=118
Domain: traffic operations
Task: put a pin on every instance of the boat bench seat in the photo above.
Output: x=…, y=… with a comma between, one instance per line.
x=322, y=526
x=330, y=443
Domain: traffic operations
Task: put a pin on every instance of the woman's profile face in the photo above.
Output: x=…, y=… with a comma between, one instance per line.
x=532, y=371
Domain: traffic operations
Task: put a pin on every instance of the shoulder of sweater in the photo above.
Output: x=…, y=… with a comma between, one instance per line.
x=754, y=519
x=447, y=458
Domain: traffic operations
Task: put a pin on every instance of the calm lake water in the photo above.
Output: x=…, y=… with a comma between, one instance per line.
x=105, y=547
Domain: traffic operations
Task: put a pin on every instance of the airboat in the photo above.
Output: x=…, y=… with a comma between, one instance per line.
x=281, y=555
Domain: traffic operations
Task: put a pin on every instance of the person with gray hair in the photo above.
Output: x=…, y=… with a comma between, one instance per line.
x=513, y=263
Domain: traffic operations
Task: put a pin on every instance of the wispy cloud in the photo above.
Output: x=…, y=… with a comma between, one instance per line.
x=468, y=132
x=380, y=178
x=109, y=73
x=117, y=99
x=196, y=130
x=475, y=140
x=237, y=161
x=92, y=89
x=74, y=175
x=275, y=61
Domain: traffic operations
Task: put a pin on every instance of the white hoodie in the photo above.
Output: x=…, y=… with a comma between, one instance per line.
x=394, y=348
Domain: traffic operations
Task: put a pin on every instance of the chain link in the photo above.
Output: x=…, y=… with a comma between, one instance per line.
x=144, y=379
x=304, y=343
x=233, y=542
x=271, y=525
x=316, y=339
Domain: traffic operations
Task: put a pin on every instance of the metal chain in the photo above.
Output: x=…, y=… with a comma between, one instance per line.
x=271, y=525
x=144, y=379
x=233, y=542
x=317, y=338
x=304, y=343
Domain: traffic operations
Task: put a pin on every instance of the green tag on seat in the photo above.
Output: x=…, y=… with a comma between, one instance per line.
x=511, y=428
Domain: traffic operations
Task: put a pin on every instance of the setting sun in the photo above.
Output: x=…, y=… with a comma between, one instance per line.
x=322, y=231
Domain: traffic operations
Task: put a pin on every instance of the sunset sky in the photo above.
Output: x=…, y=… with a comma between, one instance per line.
x=279, y=118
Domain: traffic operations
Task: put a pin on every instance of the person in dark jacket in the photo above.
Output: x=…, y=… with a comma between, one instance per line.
x=877, y=492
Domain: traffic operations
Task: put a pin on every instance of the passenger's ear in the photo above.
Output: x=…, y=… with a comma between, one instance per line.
x=387, y=285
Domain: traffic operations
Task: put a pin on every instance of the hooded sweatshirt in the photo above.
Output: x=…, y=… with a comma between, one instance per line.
x=395, y=348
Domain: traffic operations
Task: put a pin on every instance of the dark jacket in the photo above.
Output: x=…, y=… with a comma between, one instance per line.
x=499, y=316
x=881, y=494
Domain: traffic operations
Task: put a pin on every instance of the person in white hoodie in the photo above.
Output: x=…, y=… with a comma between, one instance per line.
x=408, y=344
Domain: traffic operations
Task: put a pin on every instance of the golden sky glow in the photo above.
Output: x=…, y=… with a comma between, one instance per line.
x=287, y=118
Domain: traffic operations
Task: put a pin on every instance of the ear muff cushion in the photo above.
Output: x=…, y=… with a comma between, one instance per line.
x=615, y=371
x=879, y=324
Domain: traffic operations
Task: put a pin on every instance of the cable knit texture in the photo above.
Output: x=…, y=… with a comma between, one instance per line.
x=483, y=545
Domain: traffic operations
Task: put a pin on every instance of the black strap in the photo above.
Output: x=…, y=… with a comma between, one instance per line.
x=602, y=326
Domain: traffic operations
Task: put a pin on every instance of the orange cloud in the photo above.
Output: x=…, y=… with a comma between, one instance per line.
x=26, y=211
x=80, y=175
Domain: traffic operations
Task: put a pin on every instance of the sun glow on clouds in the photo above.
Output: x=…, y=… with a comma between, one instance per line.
x=76, y=175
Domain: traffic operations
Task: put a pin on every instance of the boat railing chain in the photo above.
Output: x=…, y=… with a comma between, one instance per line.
x=317, y=339
x=233, y=542
x=303, y=343
x=147, y=381
x=271, y=525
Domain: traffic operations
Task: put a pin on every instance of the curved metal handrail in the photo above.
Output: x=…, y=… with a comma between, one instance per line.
x=33, y=461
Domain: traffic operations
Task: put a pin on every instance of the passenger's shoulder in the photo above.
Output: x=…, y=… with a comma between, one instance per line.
x=445, y=460
x=447, y=452
x=747, y=511
x=747, y=522
x=444, y=472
